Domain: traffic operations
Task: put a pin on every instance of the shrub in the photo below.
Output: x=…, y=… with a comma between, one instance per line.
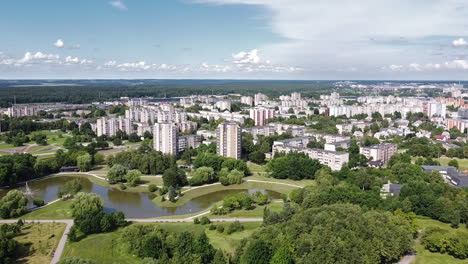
x=205, y=220
x=212, y=227
x=122, y=186
x=196, y=221
x=152, y=188
x=220, y=228
x=235, y=226
x=38, y=202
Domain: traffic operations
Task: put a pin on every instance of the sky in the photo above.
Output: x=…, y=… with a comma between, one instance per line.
x=234, y=39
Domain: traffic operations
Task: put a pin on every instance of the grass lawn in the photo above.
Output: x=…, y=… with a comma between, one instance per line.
x=229, y=243
x=38, y=241
x=197, y=192
x=302, y=183
x=255, y=168
x=102, y=248
x=56, y=211
x=462, y=163
x=257, y=212
x=106, y=248
x=424, y=256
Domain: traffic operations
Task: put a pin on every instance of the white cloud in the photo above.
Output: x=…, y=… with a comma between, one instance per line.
x=461, y=42
x=337, y=34
x=119, y=5
x=40, y=59
x=430, y=67
x=75, y=60
x=59, y=43
x=250, y=57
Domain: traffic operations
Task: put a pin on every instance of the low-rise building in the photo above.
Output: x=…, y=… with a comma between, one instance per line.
x=334, y=159
x=450, y=175
x=382, y=152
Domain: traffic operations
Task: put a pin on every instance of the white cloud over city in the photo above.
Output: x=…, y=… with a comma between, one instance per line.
x=329, y=35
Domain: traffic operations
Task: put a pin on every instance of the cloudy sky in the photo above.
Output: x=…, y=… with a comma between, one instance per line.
x=241, y=39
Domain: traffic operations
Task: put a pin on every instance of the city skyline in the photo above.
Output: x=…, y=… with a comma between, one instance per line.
x=234, y=39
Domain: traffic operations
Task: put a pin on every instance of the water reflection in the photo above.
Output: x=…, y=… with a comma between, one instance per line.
x=134, y=205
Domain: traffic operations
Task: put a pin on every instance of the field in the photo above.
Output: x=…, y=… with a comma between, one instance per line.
x=38, y=241
x=204, y=190
x=462, y=163
x=105, y=248
x=56, y=211
x=424, y=256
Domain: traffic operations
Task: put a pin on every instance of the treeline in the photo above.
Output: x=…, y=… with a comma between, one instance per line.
x=88, y=94
x=338, y=233
x=156, y=245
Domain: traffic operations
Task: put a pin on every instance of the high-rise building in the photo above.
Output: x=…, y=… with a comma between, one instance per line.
x=165, y=138
x=261, y=115
x=248, y=100
x=229, y=140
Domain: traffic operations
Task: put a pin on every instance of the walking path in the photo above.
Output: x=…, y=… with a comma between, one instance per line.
x=69, y=223
x=63, y=240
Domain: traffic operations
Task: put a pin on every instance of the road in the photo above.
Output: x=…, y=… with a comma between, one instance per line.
x=190, y=220
x=63, y=240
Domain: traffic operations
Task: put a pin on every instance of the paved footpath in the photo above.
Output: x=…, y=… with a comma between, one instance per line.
x=63, y=240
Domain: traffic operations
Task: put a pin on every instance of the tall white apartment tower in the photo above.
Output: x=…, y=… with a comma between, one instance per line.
x=261, y=115
x=229, y=140
x=165, y=138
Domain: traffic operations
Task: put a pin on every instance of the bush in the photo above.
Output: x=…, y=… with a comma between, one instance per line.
x=38, y=202
x=205, y=220
x=212, y=227
x=218, y=210
x=235, y=226
x=220, y=228
x=122, y=186
x=152, y=188
x=196, y=221
x=163, y=190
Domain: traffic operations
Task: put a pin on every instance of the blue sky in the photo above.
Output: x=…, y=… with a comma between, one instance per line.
x=248, y=39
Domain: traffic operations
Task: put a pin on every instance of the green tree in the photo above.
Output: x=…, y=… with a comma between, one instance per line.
x=453, y=163
x=84, y=162
x=116, y=174
x=256, y=252
x=133, y=177
x=86, y=202
x=13, y=204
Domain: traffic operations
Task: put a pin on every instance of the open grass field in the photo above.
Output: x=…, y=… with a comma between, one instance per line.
x=56, y=211
x=229, y=243
x=424, y=256
x=106, y=248
x=38, y=241
x=257, y=212
x=462, y=163
x=255, y=168
x=204, y=190
x=301, y=183
x=102, y=248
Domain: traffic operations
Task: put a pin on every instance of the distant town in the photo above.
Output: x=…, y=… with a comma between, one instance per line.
x=396, y=147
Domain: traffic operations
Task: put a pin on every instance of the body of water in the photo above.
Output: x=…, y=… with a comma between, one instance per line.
x=134, y=205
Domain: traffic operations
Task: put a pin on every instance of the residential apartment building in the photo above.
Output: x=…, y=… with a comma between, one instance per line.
x=334, y=159
x=189, y=141
x=261, y=115
x=229, y=140
x=247, y=100
x=165, y=138
x=382, y=152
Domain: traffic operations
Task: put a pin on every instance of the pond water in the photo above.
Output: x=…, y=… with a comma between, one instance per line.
x=134, y=205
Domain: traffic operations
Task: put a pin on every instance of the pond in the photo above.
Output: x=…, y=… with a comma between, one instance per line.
x=134, y=205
